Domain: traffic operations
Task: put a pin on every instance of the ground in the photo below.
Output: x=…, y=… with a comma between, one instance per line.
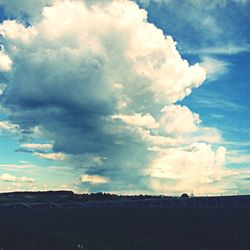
x=125, y=228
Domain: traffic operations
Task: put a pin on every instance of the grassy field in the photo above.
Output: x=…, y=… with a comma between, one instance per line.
x=125, y=228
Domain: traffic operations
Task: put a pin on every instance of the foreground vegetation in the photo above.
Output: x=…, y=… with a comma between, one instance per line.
x=125, y=228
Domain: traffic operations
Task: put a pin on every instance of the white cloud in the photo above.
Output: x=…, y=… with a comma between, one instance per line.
x=37, y=146
x=159, y=140
x=8, y=177
x=51, y=156
x=94, y=179
x=139, y=120
x=179, y=119
x=92, y=62
x=201, y=134
x=206, y=134
x=180, y=162
x=115, y=30
x=5, y=62
x=12, y=30
x=25, y=179
x=196, y=167
x=12, y=178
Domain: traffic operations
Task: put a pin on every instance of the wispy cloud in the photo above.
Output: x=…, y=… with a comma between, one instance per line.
x=218, y=101
x=51, y=156
x=218, y=50
x=214, y=67
x=238, y=157
x=238, y=143
x=207, y=4
x=8, y=126
x=202, y=20
x=16, y=166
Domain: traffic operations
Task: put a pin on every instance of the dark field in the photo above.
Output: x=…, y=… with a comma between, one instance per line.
x=126, y=228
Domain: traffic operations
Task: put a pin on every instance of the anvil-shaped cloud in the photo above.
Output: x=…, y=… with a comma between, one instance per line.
x=102, y=83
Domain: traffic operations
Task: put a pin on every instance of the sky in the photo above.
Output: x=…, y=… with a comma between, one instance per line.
x=126, y=97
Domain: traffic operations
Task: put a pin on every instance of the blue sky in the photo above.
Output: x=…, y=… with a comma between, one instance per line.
x=97, y=96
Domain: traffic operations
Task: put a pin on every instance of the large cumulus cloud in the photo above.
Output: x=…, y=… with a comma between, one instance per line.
x=101, y=83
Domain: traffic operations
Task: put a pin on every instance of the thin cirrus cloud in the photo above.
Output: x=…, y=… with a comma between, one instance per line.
x=51, y=156
x=16, y=166
x=102, y=85
x=229, y=49
x=205, y=22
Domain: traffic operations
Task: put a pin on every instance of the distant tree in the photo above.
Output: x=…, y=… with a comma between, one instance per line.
x=184, y=195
